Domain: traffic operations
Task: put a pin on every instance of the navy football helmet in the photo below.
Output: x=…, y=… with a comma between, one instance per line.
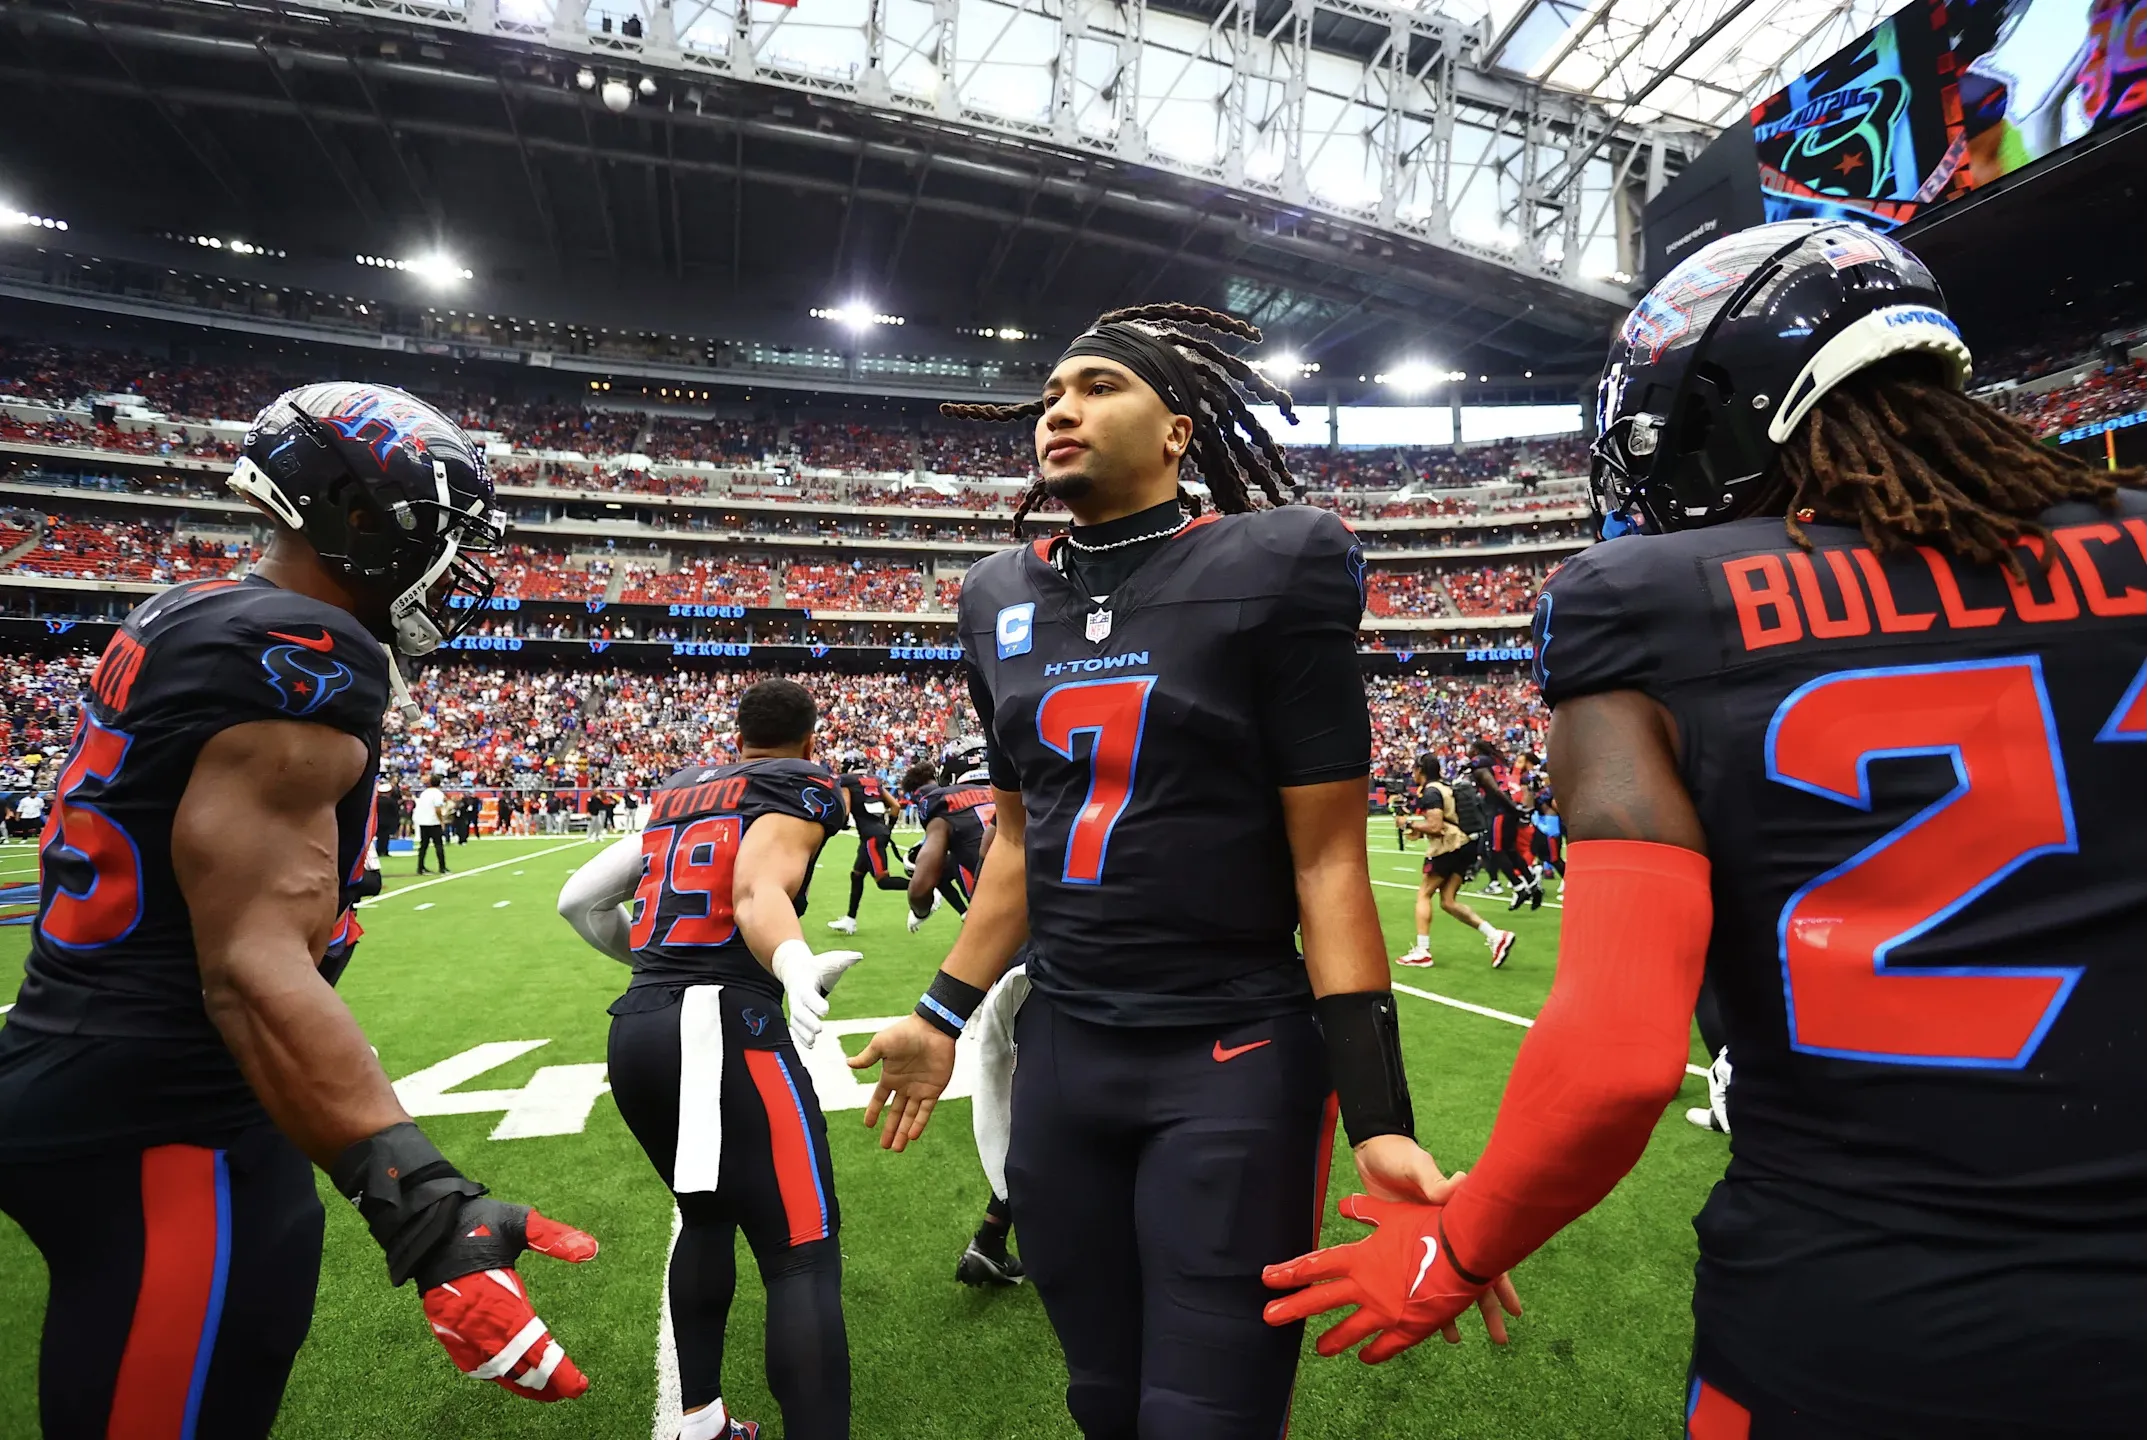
x=389, y=491
x=1721, y=361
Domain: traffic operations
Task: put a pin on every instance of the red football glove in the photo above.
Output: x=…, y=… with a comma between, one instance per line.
x=481, y=1311
x=1400, y=1279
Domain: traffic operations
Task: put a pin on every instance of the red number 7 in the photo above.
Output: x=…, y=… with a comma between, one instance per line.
x=1113, y=714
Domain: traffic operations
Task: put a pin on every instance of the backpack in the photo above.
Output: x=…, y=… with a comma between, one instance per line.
x=1469, y=810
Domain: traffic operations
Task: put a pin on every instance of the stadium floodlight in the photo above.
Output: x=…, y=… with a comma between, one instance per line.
x=617, y=96
x=11, y=218
x=856, y=315
x=585, y=78
x=1287, y=366
x=647, y=87
x=1413, y=376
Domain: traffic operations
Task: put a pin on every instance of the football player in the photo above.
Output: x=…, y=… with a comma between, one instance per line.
x=867, y=803
x=1881, y=652
x=946, y=862
x=704, y=1071
x=178, y=1060
x=1502, y=843
x=1179, y=755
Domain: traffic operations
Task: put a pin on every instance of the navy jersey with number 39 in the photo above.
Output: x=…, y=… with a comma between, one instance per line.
x=1920, y=780
x=683, y=931
x=1150, y=737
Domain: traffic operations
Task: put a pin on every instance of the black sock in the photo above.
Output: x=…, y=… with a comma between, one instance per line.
x=953, y=897
x=998, y=1223
x=857, y=891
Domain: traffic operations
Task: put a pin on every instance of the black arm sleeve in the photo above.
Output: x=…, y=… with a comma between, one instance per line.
x=1313, y=719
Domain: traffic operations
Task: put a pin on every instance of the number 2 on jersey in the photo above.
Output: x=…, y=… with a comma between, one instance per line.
x=693, y=860
x=1113, y=714
x=2009, y=804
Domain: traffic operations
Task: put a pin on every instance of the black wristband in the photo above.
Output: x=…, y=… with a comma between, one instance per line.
x=1459, y=1269
x=948, y=1003
x=1364, y=1049
x=406, y=1191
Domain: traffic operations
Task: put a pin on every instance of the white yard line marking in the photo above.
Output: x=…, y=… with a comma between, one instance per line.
x=501, y=904
x=462, y=874
x=424, y=905
x=668, y=1403
x=1488, y=1013
x=7, y=1007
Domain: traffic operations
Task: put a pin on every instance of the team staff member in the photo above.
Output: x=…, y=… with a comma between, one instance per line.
x=1881, y=649
x=430, y=818
x=866, y=800
x=177, y=1054
x=705, y=1073
x=1547, y=842
x=1180, y=753
x=1452, y=847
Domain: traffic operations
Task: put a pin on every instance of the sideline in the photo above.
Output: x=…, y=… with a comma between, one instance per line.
x=495, y=865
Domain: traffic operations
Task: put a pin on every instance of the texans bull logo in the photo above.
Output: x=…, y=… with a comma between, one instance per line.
x=303, y=678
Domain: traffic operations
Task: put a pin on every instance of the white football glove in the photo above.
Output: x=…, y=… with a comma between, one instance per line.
x=806, y=979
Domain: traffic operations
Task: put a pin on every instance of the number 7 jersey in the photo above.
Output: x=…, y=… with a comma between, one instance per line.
x=1150, y=736
x=1920, y=779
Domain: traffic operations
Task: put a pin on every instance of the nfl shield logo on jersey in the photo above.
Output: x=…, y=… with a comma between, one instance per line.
x=1099, y=626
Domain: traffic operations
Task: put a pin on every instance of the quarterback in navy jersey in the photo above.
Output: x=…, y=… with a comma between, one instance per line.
x=177, y=1055
x=703, y=1069
x=1179, y=752
x=1882, y=654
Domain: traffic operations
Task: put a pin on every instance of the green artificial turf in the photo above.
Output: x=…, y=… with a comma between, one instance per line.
x=1600, y=1352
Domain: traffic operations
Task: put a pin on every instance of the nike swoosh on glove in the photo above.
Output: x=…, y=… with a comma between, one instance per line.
x=480, y=1309
x=1400, y=1278
x=806, y=979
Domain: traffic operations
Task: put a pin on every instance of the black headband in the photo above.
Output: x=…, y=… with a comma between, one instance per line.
x=1156, y=361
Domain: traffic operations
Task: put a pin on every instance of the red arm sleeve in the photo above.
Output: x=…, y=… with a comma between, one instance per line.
x=1604, y=1058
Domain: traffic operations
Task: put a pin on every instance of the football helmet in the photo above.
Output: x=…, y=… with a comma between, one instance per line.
x=389, y=491
x=1718, y=364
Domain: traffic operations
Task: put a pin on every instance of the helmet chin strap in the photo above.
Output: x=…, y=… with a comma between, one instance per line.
x=399, y=688
x=416, y=633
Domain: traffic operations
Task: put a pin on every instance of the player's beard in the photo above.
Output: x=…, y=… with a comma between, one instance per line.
x=1074, y=485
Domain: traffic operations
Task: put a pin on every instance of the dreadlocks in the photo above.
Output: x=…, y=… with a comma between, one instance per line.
x=1908, y=461
x=1231, y=450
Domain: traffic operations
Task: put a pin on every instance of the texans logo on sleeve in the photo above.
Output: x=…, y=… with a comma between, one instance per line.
x=817, y=802
x=304, y=679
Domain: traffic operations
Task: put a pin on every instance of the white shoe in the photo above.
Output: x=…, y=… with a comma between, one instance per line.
x=1501, y=942
x=916, y=921
x=1415, y=955
x=843, y=925
x=1702, y=1116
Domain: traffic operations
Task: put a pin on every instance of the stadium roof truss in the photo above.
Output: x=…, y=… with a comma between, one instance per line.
x=1673, y=62
x=1382, y=115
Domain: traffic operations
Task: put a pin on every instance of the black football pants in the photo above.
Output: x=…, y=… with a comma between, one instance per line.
x=1156, y=1171
x=436, y=837
x=182, y=1283
x=710, y=1084
x=875, y=855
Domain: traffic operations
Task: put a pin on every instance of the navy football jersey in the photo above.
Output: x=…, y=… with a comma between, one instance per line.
x=967, y=809
x=1919, y=779
x=112, y=948
x=869, y=805
x=683, y=931
x=1150, y=735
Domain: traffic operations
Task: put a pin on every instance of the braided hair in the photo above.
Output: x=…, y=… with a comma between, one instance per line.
x=1231, y=450
x=1909, y=461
